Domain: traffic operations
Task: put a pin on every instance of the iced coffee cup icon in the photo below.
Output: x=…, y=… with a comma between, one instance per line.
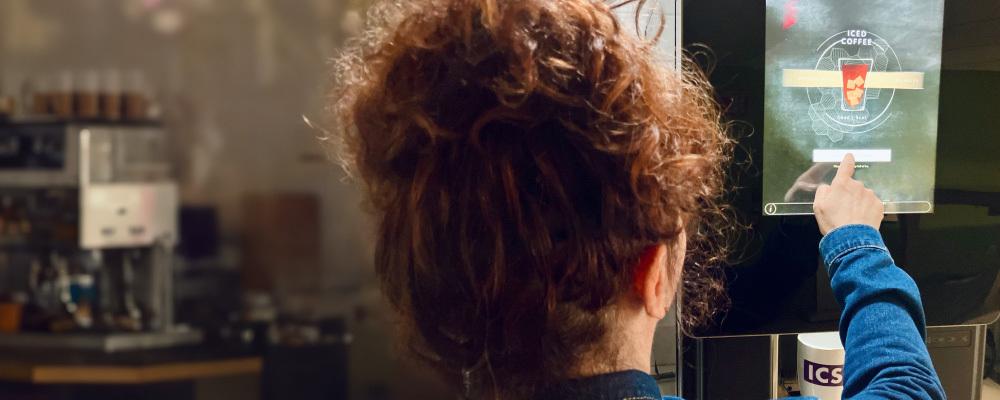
x=855, y=74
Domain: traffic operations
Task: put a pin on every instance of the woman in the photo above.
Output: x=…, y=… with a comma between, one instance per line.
x=542, y=187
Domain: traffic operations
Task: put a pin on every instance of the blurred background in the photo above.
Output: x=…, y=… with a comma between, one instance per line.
x=170, y=226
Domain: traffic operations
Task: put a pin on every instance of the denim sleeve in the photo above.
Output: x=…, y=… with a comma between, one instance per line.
x=882, y=326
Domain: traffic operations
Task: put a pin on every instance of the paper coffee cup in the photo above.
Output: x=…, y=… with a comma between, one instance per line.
x=821, y=365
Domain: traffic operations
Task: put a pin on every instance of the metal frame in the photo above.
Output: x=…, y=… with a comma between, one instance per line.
x=979, y=347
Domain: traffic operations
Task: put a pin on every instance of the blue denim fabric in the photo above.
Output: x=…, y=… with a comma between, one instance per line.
x=624, y=385
x=882, y=328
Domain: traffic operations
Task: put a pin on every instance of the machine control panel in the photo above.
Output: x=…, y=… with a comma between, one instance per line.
x=949, y=338
x=126, y=215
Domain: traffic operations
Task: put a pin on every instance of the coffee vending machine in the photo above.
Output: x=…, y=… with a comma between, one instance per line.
x=88, y=226
x=917, y=84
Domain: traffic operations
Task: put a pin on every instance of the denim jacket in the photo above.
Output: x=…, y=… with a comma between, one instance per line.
x=882, y=328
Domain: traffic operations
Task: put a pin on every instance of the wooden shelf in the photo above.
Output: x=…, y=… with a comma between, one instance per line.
x=127, y=375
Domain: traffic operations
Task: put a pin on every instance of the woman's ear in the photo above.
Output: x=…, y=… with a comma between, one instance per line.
x=652, y=281
x=658, y=274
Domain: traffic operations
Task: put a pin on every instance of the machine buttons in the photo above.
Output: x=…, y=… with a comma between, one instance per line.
x=956, y=338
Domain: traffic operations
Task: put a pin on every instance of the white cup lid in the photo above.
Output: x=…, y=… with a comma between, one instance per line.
x=822, y=340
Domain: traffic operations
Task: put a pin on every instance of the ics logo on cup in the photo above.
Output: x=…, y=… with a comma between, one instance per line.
x=820, y=365
x=823, y=375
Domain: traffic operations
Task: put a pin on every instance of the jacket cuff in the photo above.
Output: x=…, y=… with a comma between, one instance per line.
x=846, y=239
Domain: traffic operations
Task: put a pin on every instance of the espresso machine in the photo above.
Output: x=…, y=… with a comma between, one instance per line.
x=88, y=227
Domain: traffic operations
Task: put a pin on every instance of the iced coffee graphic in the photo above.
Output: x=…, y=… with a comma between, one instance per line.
x=852, y=83
x=855, y=75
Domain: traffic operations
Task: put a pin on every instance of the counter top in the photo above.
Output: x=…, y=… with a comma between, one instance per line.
x=139, y=367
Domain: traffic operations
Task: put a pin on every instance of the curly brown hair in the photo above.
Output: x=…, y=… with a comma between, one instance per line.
x=519, y=156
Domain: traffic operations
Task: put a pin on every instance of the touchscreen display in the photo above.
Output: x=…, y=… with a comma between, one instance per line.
x=774, y=281
x=851, y=76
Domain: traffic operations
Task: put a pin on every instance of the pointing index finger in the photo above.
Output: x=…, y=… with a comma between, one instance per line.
x=846, y=170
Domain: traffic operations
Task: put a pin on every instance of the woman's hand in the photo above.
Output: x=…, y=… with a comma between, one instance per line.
x=847, y=201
